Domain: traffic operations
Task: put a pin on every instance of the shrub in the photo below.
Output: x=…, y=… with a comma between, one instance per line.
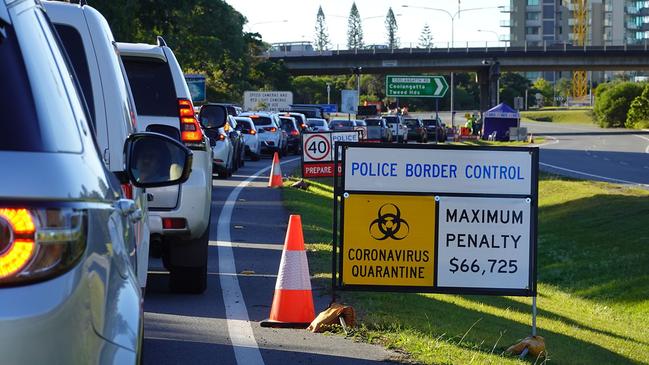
x=613, y=103
x=638, y=115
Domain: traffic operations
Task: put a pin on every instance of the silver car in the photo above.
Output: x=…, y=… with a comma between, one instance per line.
x=68, y=289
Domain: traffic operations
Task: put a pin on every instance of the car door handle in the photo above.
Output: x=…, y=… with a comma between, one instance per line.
x=125, y=206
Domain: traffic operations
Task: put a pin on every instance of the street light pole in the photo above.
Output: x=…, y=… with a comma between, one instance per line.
x=328, y=93
x=452, y=16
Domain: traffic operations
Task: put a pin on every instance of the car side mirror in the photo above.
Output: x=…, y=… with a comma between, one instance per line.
x=155, y=160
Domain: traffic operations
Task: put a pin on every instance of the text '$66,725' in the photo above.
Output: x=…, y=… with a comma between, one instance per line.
x=493, y=266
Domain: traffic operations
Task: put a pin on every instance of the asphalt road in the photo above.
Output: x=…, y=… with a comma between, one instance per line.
x=221, y=326
x=589, y=152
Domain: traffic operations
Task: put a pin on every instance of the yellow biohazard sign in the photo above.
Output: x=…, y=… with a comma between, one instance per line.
x=388, y=240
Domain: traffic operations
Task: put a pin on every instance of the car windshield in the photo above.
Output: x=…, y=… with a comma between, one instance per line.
x=412, y=122
x=261, y=120
x=373, y=122
x=244, y=124
x=152, y=87
x=316, y=123
x=287, y=124
x=342, y=123
x=429, y=122
x=392, y=120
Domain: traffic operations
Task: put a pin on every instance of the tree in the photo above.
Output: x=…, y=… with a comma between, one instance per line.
x=612, y=105
x=321, y=34
x=392, y=28
x=354, y=29
x=512, y=85
x=543, y=87
x=564, y=89
x=426, y=37
x=638, y=116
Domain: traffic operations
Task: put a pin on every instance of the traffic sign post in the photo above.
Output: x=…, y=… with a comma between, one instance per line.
x=317, y=151
x=400, y=86
x=435, y=218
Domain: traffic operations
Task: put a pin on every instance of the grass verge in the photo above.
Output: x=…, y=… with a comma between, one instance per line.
x=574, y=116
x=593, y=284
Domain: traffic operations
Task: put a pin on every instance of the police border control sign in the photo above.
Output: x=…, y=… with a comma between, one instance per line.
x=435, y=218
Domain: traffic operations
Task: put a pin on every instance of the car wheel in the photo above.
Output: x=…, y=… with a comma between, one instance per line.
x=191, y=280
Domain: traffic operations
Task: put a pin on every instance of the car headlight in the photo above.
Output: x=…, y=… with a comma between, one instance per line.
x=38, y=244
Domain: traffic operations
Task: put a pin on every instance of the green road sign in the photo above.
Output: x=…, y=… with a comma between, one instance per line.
x=403, y=86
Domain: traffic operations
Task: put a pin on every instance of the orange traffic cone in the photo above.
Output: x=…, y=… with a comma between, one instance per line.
x=293, y=300
x=275, y=178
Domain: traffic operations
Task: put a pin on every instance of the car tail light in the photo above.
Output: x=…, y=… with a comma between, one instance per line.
x=222, y=137
x=190, y=130
x=295, y=133
x=253, y=132
x=174, y=223
x=271, y=129
x=38, y=244
x=127, y=189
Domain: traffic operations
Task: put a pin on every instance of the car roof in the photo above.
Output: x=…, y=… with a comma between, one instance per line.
x=141, y=50
x=261, y=114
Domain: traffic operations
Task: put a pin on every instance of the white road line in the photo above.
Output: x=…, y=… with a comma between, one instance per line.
x=646, y=139
x=246, y=350
x=592, y=175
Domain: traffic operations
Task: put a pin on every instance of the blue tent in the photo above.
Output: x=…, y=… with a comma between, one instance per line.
x=499, y=119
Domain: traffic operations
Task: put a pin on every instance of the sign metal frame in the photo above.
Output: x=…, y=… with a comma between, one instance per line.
x=339, y=215
x=304, y=164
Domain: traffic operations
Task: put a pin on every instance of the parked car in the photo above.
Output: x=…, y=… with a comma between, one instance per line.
x=342, y=125
x=90, y=46
x=317, y=124
x=435, y=129
x=289, y=125
x=399, y=130
x=378, y=130
x=68, y=286
x=250, y=137
x=273, y=138
x=179, y=216
x=416, y=130
x=213, y=118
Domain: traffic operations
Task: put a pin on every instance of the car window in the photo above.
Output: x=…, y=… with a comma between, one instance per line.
x=261, y=120
x=342, y=123
x=152, y=86
x=74, y=47
x=287, y=124
x=35, y=90
x=316, y=123
x=243, y=124
x=428, y=122
x=373, y=122
x=412, y=123
x=392, y=120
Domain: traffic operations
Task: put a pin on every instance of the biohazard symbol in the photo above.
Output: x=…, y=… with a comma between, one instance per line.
x=389, y=224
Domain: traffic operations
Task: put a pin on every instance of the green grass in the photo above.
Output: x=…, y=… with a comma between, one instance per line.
x=593, y=285
x=574, y=116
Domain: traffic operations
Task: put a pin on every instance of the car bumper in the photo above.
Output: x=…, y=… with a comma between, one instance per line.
x=51, y=323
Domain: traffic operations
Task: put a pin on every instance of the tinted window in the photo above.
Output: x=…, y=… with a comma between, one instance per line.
x=213, y=115
x=259, y=120
x=373, y=122
x=342, y=123
x=74, y=47
x=392, y=120
x=244, y=124
x=288, y=124
x=316, y=123
x=37, y=90
x=361, y=123
x=428, y=122
x=152, y=87
x=412, y=123
x=164, y=129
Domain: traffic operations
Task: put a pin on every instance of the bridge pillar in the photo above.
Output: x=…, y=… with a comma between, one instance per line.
x=483, y=81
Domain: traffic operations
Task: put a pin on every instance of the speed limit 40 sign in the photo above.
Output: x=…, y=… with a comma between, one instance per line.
x=318, y=153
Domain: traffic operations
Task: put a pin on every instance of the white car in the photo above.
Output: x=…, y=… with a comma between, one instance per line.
x=272, y=137
x=179, y=216
x=399, y=129
x=250, y=137
x=90, y=46
x=317, y=124
x=213, y=119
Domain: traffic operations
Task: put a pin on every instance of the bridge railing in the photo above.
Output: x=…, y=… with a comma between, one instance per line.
x=468, y=47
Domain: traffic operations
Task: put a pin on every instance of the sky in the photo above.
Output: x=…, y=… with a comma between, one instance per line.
x=294, y=20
